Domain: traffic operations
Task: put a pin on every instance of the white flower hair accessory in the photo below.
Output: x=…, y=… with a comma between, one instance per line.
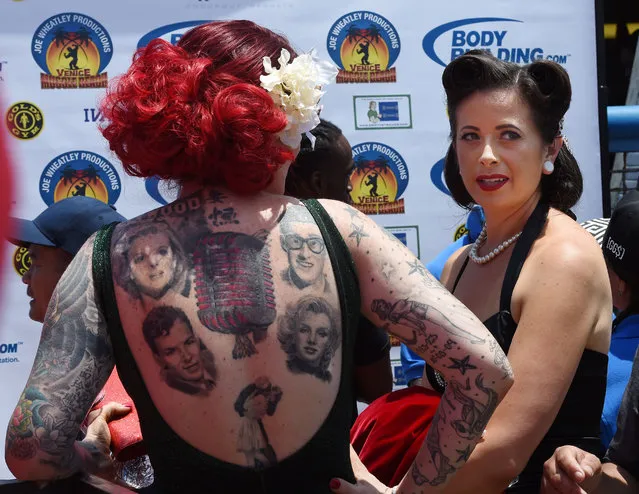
x=296, y=88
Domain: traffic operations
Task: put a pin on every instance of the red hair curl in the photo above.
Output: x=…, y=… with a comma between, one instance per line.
x=196, y=112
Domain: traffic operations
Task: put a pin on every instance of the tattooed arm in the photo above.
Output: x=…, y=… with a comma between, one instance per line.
x=72, y=364
x=410, y=303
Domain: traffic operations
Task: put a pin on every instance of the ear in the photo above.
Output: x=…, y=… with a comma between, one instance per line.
x=553, y=149
x=316, y=183
x=159, y=361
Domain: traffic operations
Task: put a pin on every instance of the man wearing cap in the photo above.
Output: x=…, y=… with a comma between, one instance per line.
x=53, y=239
x=570, y=468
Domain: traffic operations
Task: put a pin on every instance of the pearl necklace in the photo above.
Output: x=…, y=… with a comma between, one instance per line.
x=492, y=254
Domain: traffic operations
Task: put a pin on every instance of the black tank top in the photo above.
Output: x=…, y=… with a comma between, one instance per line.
x=578, y=420
x=178, y=466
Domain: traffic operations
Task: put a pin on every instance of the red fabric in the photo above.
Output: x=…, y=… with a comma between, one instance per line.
x=388, y=434
x=126, y=436
x=6, y=192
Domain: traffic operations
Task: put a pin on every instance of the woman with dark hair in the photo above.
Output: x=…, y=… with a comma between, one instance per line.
x=222, y=113
x=534, y=276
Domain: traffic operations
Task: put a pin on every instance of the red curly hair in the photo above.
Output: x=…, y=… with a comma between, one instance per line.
x=195, y=111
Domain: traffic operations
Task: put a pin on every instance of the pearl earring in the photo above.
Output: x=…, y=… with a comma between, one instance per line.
x=549, y=167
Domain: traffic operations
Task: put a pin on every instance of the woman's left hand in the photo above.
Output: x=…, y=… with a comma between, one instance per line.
x=366, y=482
x=98, y=438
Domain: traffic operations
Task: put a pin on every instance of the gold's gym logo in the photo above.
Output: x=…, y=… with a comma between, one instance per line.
x=73, y=50
x=24, y=120
x=364, y=45
x=460, y=232
x=21, y=260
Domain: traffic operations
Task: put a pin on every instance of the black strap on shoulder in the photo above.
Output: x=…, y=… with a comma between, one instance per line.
x=343, y=266
x=530, y=233
x=128, y=370
x=461, y=271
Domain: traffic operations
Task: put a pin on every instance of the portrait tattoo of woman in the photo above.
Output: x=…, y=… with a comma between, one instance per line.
x=187, y=365
x=309, y=333
x=306, y=250
x=255, y=402
x=148, y=260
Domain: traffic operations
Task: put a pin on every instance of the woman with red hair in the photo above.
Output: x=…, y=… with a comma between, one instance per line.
x=222, y=114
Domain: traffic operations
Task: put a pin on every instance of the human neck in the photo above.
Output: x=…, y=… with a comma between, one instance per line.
x=502, y=224
x=276, y=187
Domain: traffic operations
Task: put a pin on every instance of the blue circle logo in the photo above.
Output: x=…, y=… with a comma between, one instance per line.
x=80, y=173
x=73, y=50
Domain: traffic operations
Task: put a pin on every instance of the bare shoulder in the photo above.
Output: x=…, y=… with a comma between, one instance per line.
x=566, y=256
x=567, y=248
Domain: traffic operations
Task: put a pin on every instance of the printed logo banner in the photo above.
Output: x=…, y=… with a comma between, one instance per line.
x=58, y=57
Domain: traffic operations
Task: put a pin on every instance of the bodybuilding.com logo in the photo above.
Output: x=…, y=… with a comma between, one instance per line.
x=448, y=41
x=10, y=349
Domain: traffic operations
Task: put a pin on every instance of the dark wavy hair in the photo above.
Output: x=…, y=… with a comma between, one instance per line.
x=310, y=159
x=545, y=87
x=159, y=322
x=196, y=111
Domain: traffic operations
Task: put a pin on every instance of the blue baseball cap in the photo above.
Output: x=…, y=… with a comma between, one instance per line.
x=66, y=224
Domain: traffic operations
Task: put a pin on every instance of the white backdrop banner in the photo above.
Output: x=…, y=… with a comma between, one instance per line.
x=57, y=57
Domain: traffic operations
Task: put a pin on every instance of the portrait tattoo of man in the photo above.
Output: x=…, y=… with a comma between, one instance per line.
x=309, y=334
x=256, y=401
x=306, y=250
x=148, y=260
x=187, y=365
x=234, y=287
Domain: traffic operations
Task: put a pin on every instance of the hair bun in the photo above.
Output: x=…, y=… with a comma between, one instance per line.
x=552, y=81
x=464, y=71
x=176, y=116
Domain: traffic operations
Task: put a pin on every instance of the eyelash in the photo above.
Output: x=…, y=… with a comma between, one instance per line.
x=509, y=135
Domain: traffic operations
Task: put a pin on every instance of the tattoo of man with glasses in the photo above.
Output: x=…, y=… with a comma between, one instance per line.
x=301, y=240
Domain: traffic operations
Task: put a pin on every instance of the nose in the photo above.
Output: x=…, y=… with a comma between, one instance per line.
x=185, y=356
x=488, y=157
x=154, y=260
x=26, y=277
x=311, y=338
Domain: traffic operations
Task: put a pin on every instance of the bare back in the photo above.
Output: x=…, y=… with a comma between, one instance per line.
x=262, y=345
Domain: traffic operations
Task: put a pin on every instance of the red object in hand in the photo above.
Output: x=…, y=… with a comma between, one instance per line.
x=126, y=436
x=388, y=434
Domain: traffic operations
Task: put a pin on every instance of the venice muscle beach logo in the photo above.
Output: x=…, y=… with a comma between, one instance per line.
x=379, y=178
x=73, y=50
x=364, y=45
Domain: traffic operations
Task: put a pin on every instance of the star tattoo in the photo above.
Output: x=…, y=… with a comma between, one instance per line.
x=358, y=233
x=417, y=267
x=462, y=364
x=387, y=270
x=464, y=454
x=352, y=211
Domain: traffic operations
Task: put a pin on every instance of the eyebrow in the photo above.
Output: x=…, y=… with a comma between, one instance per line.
x=499, y=127
x=508, y=126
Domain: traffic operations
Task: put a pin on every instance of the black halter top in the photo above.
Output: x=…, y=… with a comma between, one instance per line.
x=578, y=420
x=178, y=466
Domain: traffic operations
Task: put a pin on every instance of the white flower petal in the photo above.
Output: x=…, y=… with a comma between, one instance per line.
x=297, y=88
